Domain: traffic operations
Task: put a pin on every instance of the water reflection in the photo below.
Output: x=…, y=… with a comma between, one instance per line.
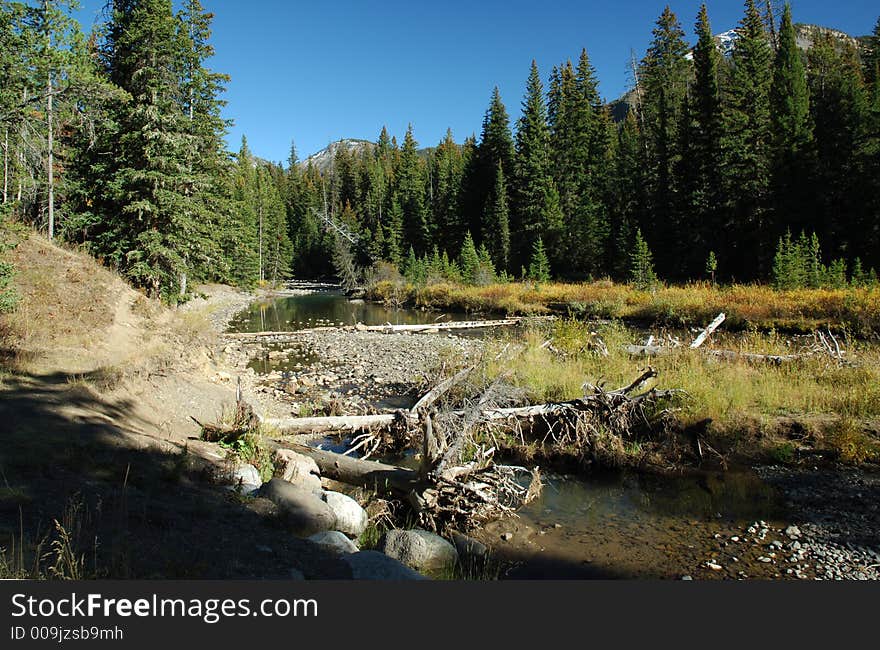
x=328, y=308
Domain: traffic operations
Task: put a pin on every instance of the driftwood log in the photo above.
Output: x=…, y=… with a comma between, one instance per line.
x=388, y=328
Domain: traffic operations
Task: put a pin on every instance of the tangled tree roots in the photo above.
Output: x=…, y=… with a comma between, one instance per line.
x=458, y=423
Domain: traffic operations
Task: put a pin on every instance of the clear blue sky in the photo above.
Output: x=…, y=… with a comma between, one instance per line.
x=317, y=71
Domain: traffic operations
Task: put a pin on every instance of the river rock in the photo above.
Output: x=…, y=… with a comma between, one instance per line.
x=419, y=549
x=468, y=547
x=334, y=541
x=298, y=469
x=372, y=565
x=351, y=519
x=304, y=511
x=246, y=475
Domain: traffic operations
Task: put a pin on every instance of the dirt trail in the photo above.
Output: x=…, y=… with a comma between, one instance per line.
x=97, y=388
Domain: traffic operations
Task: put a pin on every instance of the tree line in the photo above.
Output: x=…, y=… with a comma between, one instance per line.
x=707, y=166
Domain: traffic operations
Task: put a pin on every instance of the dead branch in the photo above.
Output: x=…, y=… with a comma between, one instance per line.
x=711, y=327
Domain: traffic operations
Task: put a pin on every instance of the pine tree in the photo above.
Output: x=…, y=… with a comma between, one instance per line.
x=705, y=200
x=747, y=139
x=663, y=75
x=539, y=265
x=791, y=130
x=469, y=260
x=496, y=222
x=839, y=108
x=410, y=193
x=642, y=275
x=536, y=206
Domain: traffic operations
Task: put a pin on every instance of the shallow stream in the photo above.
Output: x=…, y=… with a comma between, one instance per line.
x=618, y=525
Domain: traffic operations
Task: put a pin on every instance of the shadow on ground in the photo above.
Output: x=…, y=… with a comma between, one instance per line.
x=133, y=506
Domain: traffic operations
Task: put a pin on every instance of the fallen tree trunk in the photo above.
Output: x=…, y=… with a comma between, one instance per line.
x=775, y=359
x=389, y=328
x=370, y=474
x=332, y=423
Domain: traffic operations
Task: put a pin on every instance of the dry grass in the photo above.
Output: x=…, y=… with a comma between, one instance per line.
x=836, y=405
x=857, y=309
x=65, y=296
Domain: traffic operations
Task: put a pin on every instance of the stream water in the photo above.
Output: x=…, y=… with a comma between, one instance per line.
x=616, y=525
x=328, y=308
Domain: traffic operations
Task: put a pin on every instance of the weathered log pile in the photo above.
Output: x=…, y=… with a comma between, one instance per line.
x=457, y=427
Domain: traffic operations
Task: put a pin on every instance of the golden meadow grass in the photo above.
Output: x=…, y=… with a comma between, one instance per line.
x=857, y=309
x=834, y=403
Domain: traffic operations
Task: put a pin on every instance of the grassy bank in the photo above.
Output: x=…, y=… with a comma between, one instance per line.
x=855, y=309
x=745, y=411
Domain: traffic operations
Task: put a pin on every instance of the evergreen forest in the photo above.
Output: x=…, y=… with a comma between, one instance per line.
x=757, y=165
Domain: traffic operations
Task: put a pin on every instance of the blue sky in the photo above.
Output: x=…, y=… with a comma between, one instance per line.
x=317, y=71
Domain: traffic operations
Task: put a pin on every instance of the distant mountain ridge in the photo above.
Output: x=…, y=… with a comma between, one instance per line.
x=323, y=160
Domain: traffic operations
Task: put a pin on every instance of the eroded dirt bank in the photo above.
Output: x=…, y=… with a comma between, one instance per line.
x=97, y=391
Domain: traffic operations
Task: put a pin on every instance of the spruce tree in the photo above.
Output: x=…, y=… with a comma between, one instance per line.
x=839, y=111
x=579, y=151
x=496, y=222
x=791, y=131
x=447, y=169
x=705, y=200
x=495, y=146
x=539, y=264
x=153, y=233
x=410, y=194
x=747, y=140
x=627, y=199
x=469, y=260
x=642, y=275
x=663, y=76
x=536, y=206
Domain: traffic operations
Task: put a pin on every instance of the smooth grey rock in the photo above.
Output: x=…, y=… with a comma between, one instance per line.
x=373, y=565
x=304, y=512
x=419, y=549
x=351, y=519
x=298, y=469
x=793, y=532
x=334, y=541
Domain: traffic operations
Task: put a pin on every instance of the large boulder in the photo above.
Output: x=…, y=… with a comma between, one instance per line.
x=334, y=541
x=298, y=469
x=419, y=549
x=372, y=565
x=351, y=519
x=303, y=511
